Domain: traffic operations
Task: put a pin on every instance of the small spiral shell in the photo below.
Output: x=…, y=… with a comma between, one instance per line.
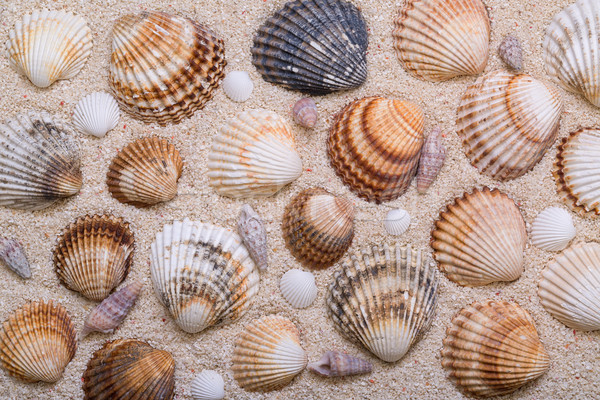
x=305, y=113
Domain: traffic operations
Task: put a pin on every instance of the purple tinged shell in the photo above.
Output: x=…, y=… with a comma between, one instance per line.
x=254, y=235
x=335, y=363
x=431, y=161
x=511, y=53
x=305, y=112
x=13, y=255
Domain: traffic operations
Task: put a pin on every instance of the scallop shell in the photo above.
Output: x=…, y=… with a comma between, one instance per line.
x=253, y=155
x=492, y=348
x=507, y=122
x=96, y=114
x=334, y=363
x=305, y=113
x=129, y=369
x=298, y=288
x=47, y=46
x=374, y=146
x=145, y=172
x=431, y=161
x=437, y=40
x=39, y=162
x=238, y=86
x=13, y=256
x=208, y=385
x=163, y=68
x=252, y=230
x=37, y=342
x=202, y=274
x=480, y=238
x=397, y=221
x=511, y=53
x=313, y=46
x=552, y=229
x=94, y=254
x=268, y=354
x=384, y=299
x=570, y=287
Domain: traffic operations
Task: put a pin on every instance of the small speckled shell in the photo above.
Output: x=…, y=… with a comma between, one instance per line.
x=396, y=222
x=305, y=113
x=552, y=229
x=96, y=114
x=335, y=363
x=13, y=256
x=298, y=288
x=431, y=161
x=254, y=235
x=238, y=86
x=511, y=53
x=208, y=385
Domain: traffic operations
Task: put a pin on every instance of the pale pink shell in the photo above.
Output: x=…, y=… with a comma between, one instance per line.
x=335, y=363
x=431, y=161
x=305, y=112
x=13, y=255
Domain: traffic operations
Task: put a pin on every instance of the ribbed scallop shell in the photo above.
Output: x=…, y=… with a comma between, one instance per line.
x=507, y=122
x=374, y=146
x=37, y=342
x=384, y=299
x=396, y=222
x=254, y=155
x=163, y=68
x=93, y=255
x=238, y=86
x=492, y=348
x=313, y=46
x=552, y=229
x=208, y=385
x=129, y=369
x=570, y=287
x=268, y=354
x=96, y=114
x=145, y=172
x=202, y=274
x=298, y=288
x=39, y=162
x=47, y=46
x=437, y=40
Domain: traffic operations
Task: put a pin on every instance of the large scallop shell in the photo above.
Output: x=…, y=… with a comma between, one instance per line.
x=37, y=342
x=298, y=288
x=507, y=122
x=96, y=114
x=163, y=68
x=384, y=299
x=552, y=229
x=202, y=274
x=313, y=46
x=49, y=45
x=374, y=146
x=492, y=348
x=39, y=162
x=253, y=155
x=437, y=40
x=94, y=254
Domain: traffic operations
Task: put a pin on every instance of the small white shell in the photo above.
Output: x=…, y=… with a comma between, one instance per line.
x=397, y=222
x=96, y=114
x=238, y=86
x=552, y=229
x=298, y=288
x=208, y=385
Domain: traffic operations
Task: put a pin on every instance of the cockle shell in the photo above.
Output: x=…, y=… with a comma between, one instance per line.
x=396, y=222
x=47, y=46
x=374, y=146
x=268, y=354
x=13, y=256
x=335, y=363
x=208, y=385
x=384, y=299
x=552, y=229
x=305, y=113
x=163, y=68
x=507, y=122
x=511, y=53
x=298, y=288
x=96, y=114
x=492, y=348
x=431, y=161
x=238, y=86
x=37, y=342
x=437, y=40
x=202, y=274
x=39, y=162
x=254, y=235
x=313, y=46
x=93, y=255
x=253, y=155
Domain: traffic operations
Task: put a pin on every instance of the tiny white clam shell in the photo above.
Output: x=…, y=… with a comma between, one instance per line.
x=208, y=385
x=96, y=114
x=298, y=288
x=552, y=229
x=238, y=86
x=397, y=221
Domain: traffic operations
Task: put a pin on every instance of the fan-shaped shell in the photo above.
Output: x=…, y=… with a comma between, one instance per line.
x=397, y=221
x=492, y=348
x=47, y=46
x=313, y=46
x=96, y=114
x=437, y=40
x=163, y=68
x=552, y=229
x=94, y=254
x=208, y=385
x=298, y=288
x=13, y=256
x=384, y=299
x=238, y=86
x=374, y=146
x=253, y=155
x=507, y=122
x=202, y=274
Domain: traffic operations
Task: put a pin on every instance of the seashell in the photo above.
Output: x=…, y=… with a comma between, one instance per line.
x=431, y=161
x=313, y=46
x=507, y=122
x=94, y=254
x=128, y=369
x=318, y=227
x=570, y=287
x=13, y=256
x=576, y=171
x=238, y=86
x=552, y=229
x=145, y=172
x=268, y=354
x=373, y=283
x=208, y=385
x=437, y=40
x=298, y=288
x=96, y=114
x=37, y=342
x=511, y=53
x=163, y=68
x=397, y=222
x=305, y=113
x=202, y=274
x=253, y=155
x=109, y=314
x=47, y=46
x=39, y=162
x=480, y=239
x=374, y=146
x=492, y=348
x=335, y=363
x=251, y=229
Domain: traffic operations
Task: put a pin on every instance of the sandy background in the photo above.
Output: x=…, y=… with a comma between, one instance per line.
x=574, y=355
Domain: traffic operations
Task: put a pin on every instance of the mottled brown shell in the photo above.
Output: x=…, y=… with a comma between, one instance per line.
x=335, y=363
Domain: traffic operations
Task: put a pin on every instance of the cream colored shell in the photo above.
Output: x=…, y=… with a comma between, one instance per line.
x=298, y=288
x=397, y=221
x=552, y=229
x=96, y=114
x=208, y=385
